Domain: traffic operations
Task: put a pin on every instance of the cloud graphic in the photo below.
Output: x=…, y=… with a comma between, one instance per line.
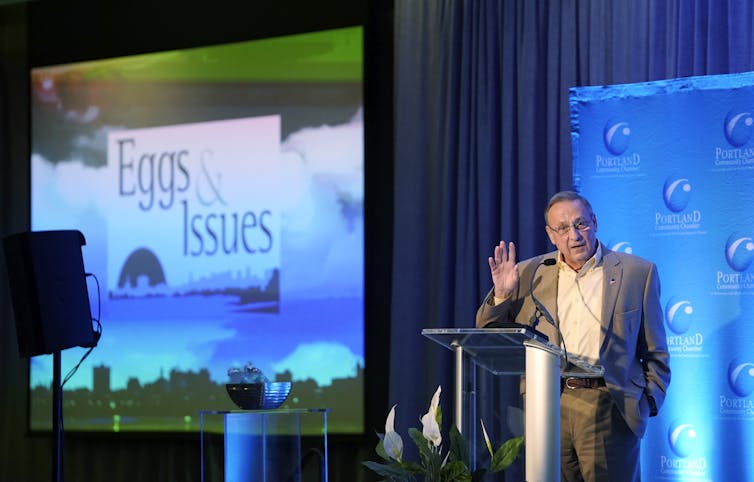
x=323, y=209
x=321, y=361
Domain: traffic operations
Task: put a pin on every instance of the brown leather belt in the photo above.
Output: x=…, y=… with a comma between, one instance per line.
x=574, y=383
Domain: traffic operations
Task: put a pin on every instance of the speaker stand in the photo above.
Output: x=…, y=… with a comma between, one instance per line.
x=57, y=420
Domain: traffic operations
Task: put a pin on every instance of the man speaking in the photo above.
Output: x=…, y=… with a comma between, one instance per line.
x=606, y=306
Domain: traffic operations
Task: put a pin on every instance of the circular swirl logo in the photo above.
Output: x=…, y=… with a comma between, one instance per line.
x=679, y=315
x=622, y=247
x=682, y=438
x=738, y=127
x=616, y=136
x=739, y=251
x=741, y=377
x=676, y=193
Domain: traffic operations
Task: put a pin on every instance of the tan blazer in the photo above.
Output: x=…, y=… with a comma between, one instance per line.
x=633, y=346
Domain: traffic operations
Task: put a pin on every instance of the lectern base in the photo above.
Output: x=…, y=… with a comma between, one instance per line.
x=542, y=414
x=264, y=445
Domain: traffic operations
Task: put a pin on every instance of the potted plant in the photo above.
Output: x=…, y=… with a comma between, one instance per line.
x=435, y=463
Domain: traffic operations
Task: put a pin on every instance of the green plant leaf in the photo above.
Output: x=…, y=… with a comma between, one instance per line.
x=459, y=449
x=506, y=454
x=411, y=467
x=390, y=471
x=421, y=443
x=380, y=449
x=455, y=472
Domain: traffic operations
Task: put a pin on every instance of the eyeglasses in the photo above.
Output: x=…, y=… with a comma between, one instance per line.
x=582, y=225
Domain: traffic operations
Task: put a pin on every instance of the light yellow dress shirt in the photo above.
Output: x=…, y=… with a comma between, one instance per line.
x=580, y=306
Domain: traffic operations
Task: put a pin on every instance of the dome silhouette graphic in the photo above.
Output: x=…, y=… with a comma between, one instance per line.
x=141, y=262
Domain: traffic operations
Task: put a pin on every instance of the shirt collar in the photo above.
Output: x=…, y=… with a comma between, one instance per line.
x=591, y=263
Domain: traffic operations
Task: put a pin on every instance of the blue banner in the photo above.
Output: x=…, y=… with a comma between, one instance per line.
x=669, y=169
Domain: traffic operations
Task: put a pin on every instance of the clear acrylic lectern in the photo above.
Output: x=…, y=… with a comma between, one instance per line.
x=517, y=351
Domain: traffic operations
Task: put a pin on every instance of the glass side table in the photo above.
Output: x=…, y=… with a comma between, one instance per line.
x=264, y=445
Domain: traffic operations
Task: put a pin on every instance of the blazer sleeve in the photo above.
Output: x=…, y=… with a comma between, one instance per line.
x=652, y=348
x=489, y=312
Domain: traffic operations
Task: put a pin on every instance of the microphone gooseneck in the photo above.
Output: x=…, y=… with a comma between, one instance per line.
x=540, y=309
x=583, y=300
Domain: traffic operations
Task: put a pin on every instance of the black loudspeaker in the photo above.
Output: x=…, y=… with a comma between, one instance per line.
x=48, y=291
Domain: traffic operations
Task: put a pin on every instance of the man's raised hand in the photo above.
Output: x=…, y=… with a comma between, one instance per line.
x=504, y=269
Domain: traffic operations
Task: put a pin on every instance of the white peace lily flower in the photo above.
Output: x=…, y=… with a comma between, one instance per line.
x=430, y=427
x=392, y=443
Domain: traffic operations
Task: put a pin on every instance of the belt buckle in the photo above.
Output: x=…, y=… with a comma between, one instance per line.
x=568, y=383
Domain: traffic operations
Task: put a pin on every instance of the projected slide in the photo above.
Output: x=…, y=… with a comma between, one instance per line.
x=220, y=191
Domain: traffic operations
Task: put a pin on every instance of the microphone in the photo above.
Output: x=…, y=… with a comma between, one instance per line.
x=540, y=309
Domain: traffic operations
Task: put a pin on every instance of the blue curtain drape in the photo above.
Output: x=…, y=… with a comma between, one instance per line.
x=482, y=139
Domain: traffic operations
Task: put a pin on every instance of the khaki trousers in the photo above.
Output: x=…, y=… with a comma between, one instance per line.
x=596, y=445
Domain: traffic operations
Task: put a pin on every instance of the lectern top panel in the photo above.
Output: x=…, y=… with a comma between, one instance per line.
x=502, y=351
x=499, y=350
x=275, y=411
x=470, y=338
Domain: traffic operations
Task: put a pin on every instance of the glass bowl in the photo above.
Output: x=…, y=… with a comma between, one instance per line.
x=258, y=396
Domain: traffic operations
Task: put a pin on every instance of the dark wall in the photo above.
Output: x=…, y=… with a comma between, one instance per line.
x=19, y=450
x=48, y=32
